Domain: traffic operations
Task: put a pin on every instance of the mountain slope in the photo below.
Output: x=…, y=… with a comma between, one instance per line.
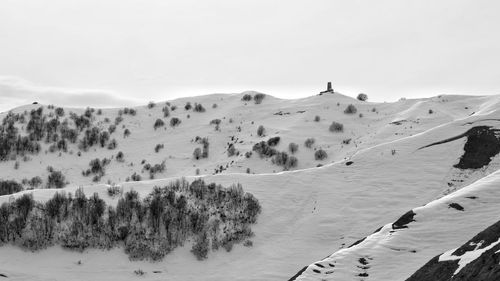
x=306, y=213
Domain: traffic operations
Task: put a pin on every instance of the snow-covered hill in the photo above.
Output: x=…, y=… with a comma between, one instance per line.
x=308, y=212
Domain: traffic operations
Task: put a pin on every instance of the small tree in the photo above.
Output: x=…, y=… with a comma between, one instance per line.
x=231, y=150
x=362, y=97
x=197, y=153
x=151, y=104
x=166, y=111
x=119, y=156
x=317, y=118
x=261, y=131
x=293, y=147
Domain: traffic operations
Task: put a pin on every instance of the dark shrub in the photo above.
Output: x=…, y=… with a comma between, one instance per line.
x=231, y=150
x=336, y=127
x=198, y=107
x=197, y=153
x=126, y=133
x=111, y=128
x=112, y=144
x=35, y=182
x=56, y=180
x=350, y=109
x=246, y=97
x=188, y=106
x=166, y=112
x=151, y=104
x=158, y=123
x=309, y=142
x=119, y=156
x=175, y=121
x=258, y=98
x=263, y=149
x=59, y=111
x=200, y=247
x=317, y=118
x=320, y=154
x=293, y=147
x=158, y=147
x=273, y=141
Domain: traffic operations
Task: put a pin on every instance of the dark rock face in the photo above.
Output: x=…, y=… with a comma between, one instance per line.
x=456, y=206
x=485, y=268
x=404, y=220
x=482, y=145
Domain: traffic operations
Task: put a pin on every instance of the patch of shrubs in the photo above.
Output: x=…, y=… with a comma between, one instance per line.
x=264, y=149
x=153, y=170
x=148, y=228
x=35, y=182
x=97, y=168
x=114, y=191
x=55, y=179
x=283, y=159
x=201, y=153
x=9, y=187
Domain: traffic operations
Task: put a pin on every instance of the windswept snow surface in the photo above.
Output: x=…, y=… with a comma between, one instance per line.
x=307, y=213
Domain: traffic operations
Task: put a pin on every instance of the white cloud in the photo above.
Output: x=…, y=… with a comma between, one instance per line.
x=15, y=91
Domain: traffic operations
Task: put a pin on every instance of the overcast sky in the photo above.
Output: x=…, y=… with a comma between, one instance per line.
x=115, y=53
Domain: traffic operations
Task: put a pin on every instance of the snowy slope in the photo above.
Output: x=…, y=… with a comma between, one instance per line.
x=307, y=213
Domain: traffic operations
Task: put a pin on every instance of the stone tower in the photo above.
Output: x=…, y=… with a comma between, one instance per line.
x=329, y=89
